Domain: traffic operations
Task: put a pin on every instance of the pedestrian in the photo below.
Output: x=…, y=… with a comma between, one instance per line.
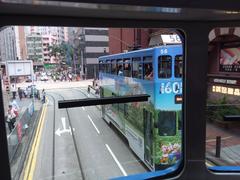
x=25, y=92
x=44, y=96
x=88, y=90
x=70, y=77
x=13, y=90
x=15, y=107
x=97, y=91
x=11, y=118
x=20, y=93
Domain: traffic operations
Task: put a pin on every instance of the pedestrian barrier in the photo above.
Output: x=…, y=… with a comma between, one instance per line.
x=20, y=137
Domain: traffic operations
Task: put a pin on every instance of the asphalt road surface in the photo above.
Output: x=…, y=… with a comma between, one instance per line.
x=78, y=144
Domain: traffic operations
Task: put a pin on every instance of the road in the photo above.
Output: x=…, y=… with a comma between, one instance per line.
x=77, y=144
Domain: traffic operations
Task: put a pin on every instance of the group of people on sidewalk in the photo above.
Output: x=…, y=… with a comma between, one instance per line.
x=12, y=114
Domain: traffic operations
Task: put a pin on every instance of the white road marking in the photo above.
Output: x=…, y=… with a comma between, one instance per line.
x=59, y=131
x=116, y=160
x=83, y=108
x=93, y=124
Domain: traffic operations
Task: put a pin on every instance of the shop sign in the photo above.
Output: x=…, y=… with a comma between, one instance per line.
x=226, y=90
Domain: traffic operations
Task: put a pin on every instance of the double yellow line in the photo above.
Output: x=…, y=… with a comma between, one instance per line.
x=31, y=161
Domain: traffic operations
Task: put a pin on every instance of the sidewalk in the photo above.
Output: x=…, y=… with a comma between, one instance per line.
x=230, y=144
x=23, y=105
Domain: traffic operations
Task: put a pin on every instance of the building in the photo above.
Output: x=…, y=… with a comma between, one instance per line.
x=47, y=41
x=89, y=44
x=59, y=32
x=20, y=42
x=224, y=64
x=35, y=49
x=8, y=50
x=126, y=39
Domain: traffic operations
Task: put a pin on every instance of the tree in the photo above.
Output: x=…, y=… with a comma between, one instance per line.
x=63, y=52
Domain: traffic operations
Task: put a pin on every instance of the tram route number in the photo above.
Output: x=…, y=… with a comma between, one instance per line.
x=169, y=87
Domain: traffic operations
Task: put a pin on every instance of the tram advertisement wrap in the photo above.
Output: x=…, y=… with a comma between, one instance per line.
x=163, y=146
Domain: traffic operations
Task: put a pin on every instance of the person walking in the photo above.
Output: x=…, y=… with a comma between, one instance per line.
x=20, y=93
x=44, y=96
x=11, y=118
x=13, y=90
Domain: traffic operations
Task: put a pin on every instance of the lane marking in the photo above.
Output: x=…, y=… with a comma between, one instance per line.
x=93, y=124
x=213, y=140
x=116, y=160
x=83, y=108
x=31, y=161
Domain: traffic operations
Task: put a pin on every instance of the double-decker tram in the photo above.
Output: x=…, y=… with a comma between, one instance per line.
x=153, y=128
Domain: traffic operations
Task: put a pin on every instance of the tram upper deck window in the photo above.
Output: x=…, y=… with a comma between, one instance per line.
x=114, y=67
x=164, y=66
x=119, y=67
x=147, y=68
x=178, y=66
x=136, y=68
x=108, y=66
x=127, y=68
x=101, y=68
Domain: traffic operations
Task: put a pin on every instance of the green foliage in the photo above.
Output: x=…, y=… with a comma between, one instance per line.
x=217, y=109
x=61, y=51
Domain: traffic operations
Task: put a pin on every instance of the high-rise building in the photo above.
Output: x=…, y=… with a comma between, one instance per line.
x=8, y=50
x=92, y=43
x=35, y=47
x=59, y=32
x=20, y=42
x=47, y=41
x=96, y=44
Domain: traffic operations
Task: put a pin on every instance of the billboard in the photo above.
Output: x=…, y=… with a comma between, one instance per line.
x=19, y=68
x=230, y=60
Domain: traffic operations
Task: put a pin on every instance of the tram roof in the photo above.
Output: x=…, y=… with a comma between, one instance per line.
x=140, y=50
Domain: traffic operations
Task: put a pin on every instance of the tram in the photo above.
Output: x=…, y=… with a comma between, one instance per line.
x=153, y=129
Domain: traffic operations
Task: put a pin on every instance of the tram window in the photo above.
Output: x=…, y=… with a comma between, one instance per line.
x=164, y=66
x=127, y=68
x=108, y=66
x=147, y=68
x=114, y=67
x=178, y=66
x=100, y=66
x=136, y=68
x=104, y=67
x=167, y=123
x=119, y=67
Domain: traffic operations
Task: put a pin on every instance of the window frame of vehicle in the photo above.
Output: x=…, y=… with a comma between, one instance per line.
x=148, y=61
x=139, y=69
x=163, y=71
